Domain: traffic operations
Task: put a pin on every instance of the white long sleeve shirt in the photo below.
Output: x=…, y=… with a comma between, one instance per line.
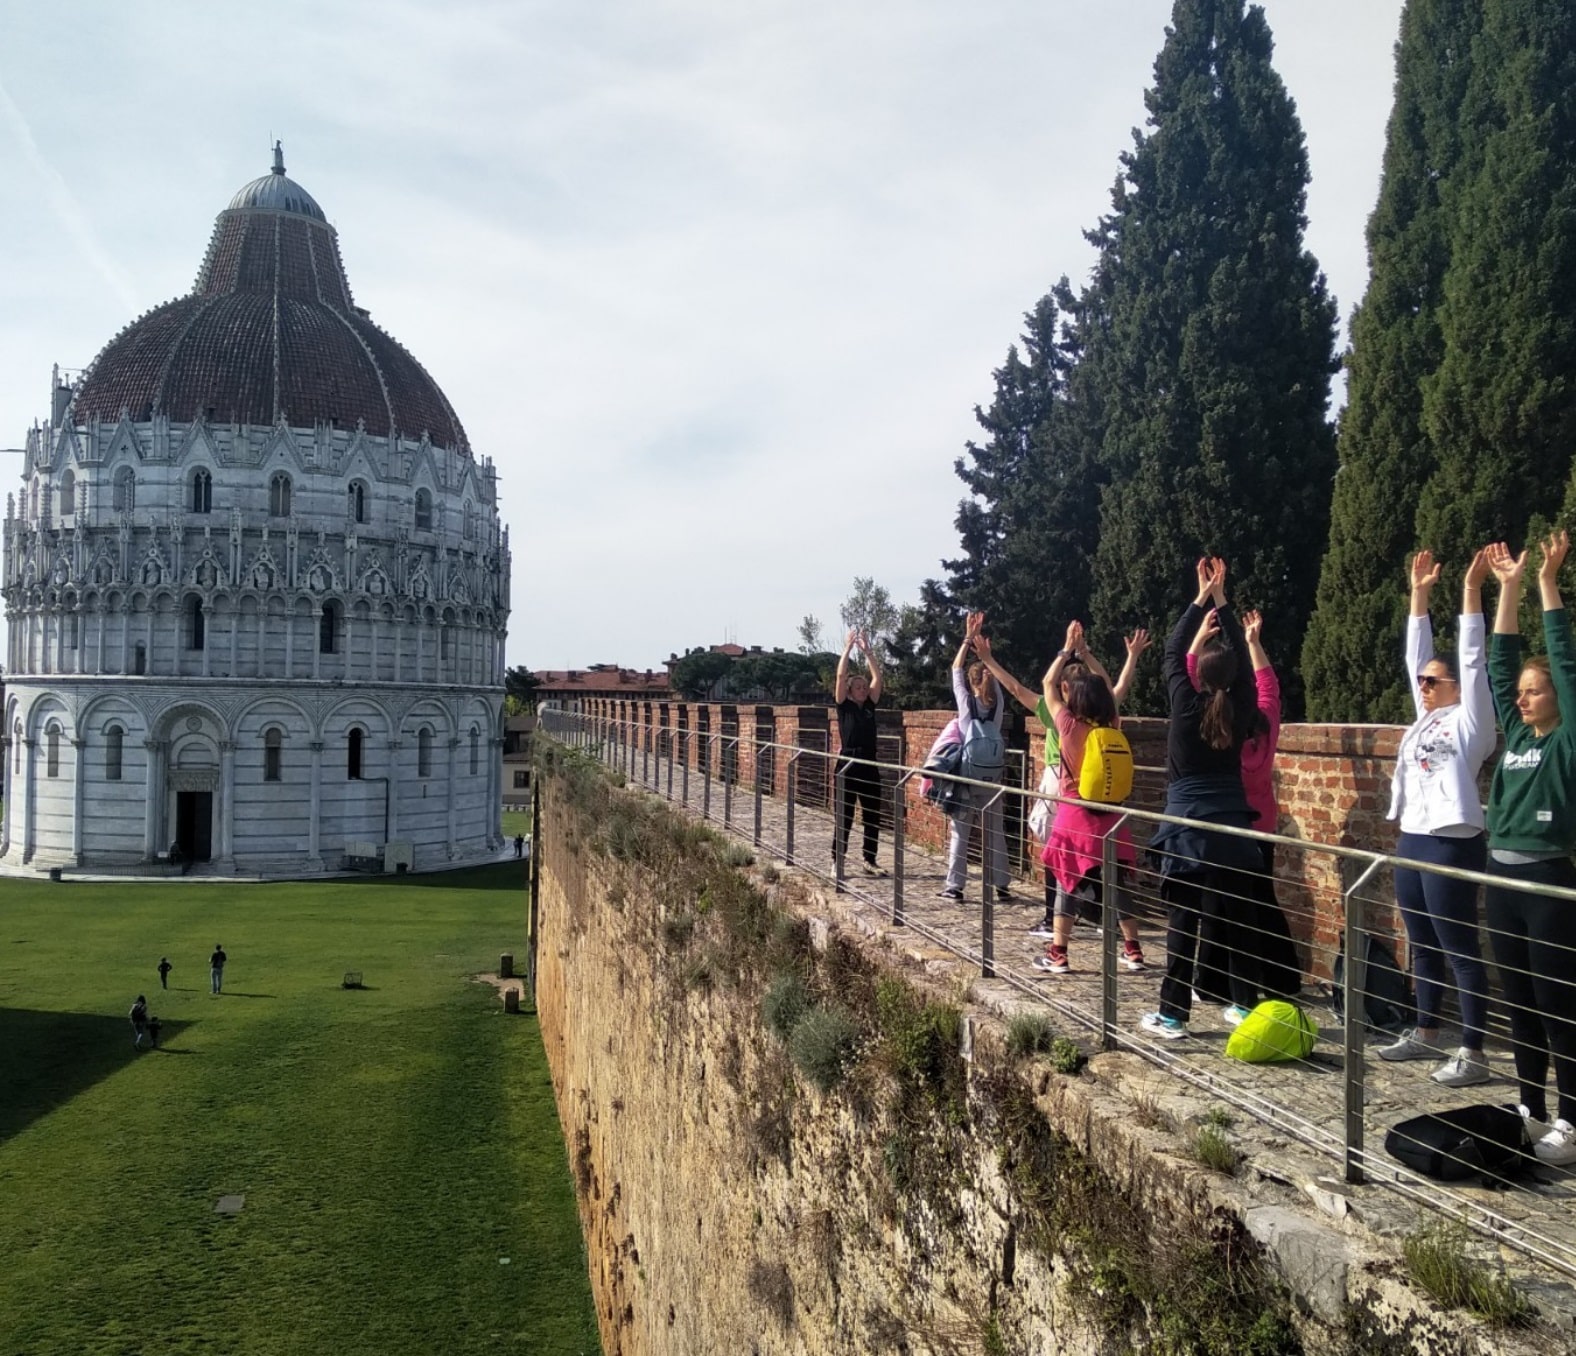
x=1435, y=787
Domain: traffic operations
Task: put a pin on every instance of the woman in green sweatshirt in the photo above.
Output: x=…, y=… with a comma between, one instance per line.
x=1532, y=831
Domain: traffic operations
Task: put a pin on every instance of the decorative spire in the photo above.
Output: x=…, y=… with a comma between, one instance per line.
x=279, y=157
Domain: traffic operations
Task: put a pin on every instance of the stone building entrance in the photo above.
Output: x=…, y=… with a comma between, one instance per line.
x=194, y=825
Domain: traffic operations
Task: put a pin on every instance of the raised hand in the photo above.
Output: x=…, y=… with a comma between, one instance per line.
x=1478, y=570
x=974, y=624
x=1555, y=546
x=1508, y=569
x=982, y=647
x=1207, y=631
x=1252, y=625
x=1217, y=579
x=1425, y=570
x=1137, y=643
x=1074, y=637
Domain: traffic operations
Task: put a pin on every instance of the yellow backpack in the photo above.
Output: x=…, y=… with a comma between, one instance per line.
x=1107, y=771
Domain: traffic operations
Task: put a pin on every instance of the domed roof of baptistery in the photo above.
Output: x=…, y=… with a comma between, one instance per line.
x=269, y=331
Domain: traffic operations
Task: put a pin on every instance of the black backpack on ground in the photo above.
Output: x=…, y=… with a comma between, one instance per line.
x=1388, y=1005
x=1471, y=1141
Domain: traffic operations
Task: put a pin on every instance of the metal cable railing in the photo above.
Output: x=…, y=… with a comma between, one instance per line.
x=794, y=803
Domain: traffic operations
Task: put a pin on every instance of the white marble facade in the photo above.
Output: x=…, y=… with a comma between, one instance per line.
x=262, y=640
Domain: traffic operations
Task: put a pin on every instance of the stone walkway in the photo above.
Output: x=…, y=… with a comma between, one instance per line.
x=1288, y=1119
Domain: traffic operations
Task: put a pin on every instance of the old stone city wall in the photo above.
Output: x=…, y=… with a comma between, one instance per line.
x=790, y=1136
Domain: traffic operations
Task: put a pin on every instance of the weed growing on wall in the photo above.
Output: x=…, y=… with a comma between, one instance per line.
x=1029, y=1033
x=823, y=1043
x=1436, y=1256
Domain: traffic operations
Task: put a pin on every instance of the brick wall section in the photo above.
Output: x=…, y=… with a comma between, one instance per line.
x=1333, y=782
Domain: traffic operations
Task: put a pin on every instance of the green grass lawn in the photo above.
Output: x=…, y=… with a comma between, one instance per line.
x=406, y=1185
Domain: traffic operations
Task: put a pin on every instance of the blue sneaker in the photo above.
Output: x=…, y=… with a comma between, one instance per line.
x=1233, y=1014
x=1167, y=1028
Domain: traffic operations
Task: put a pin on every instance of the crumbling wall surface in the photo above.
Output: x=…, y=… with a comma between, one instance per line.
x=940, y=1196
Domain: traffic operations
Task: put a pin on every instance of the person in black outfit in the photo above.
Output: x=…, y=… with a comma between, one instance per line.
x=856, y=722
x=164, y=972
x=1205, y=877
x=139, y=1021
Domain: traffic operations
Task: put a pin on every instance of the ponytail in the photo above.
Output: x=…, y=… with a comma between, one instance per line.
x=1214, y=727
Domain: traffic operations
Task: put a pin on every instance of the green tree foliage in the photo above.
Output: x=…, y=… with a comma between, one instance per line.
x=918, y=653
x=869, y=609
x=1030, y=527
x=1500, y=411
x=698, y=674
x=810, y=632
x=519, y=690
x=1349, y=661
x=781, y=676
x=1208, y=341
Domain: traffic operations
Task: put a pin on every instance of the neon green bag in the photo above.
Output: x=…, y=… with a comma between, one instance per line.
x=1273, y=1031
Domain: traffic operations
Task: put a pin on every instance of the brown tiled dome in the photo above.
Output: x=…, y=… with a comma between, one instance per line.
x=269, y=330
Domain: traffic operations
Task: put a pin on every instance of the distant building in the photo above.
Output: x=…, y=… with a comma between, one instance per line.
x=554, y=686
x=256, y=583
x=517, y=734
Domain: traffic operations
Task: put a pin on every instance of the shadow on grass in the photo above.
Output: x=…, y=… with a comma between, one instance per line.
x=510, y=875
x=47, y=1058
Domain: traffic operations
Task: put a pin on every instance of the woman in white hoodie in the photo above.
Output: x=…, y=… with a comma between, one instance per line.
x=1435, y=796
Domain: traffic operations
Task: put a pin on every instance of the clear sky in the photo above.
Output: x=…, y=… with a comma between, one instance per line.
x=716, y=283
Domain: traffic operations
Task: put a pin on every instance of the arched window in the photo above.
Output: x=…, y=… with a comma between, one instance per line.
x=139, y=659
x=73, y=631
x=353, y=756
x=279, y=496
x=444, y=644
x=328, y=629
x=125, y=498
x=424, y=510
x=470, y=520
x=358, y=502
x=424, y=752
x=16, y=746
x=114, y=742
x=271, y=743
x=48, y=495
x=68, y=493
x=52, y=750
x=202, y=491
x=33, y=510
x=476, y=750
x=196, y=626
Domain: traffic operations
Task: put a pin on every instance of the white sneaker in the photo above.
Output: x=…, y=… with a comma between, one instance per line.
x=1536, y=1129
x=1410, y=1046
x=1167, y=1028
x=1558, y=1145
x=1233, y=1013
x=1463, y=1069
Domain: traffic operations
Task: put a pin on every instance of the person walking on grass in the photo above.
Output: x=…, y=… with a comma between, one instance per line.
x=1074, y=848
x=1434, y=794
x=857, y=697
x=139, y=1021
x=164, y=972
x=980, y=712
x=1202, y=873
x=1531, y=834
x=216, y=966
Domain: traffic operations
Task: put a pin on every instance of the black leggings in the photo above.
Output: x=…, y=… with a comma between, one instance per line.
x=1217, y=903
x=861, y=787
x=1534, y=940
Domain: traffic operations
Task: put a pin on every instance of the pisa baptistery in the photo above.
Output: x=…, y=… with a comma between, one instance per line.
x=255, y=584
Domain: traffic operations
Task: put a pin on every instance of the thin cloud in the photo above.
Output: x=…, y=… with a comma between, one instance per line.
x=65, y=206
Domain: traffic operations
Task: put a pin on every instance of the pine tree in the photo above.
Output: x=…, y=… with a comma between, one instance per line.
x=1208, y=345
x=1350, y=659
x=1500, y=411
x=1029, y=529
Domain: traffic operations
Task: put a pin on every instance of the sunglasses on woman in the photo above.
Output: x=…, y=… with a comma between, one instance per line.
x=1429, y=681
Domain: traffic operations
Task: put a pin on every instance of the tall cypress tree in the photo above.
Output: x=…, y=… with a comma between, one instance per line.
x=1209, y=343
x=1349, y=660
x=1500, y=411
x=1030, y=526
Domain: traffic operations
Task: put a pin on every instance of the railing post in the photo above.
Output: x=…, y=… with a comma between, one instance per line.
x=705, y=776
x=899, y=806
x=668, y=736
x=988, y=912
x=645, y=754
x=839, y=847
x=684, y=757
x=1110, y=867
x=1356, y=1021
x=729, y=772
x=793, y=778
x=755, y=743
